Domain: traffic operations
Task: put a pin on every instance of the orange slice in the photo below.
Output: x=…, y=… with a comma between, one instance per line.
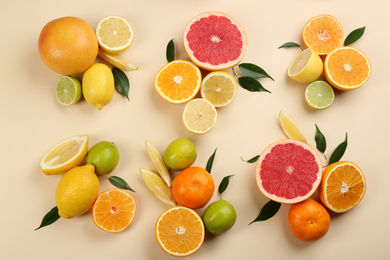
x=178, y=81
x=343, y=186
x=114, y=210
x=323, y=33
x=180, y=231
x=347, y=68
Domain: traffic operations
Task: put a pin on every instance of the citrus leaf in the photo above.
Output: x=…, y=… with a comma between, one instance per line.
x=320, y=140
x=50, y=217
x=268, y=211
x=171, y=51
x=252, y=160
x=224, y=184
x=120, y=183
x=251, y=84
x=253, y=71
x=339, y=151
x=121, y=82
x=210, y=161
x=289, y=45
x=354, y=36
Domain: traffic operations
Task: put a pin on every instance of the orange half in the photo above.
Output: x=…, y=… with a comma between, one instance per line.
x=323, y=34
x=180, y=231
x=342, y=187
x=114, y=210
x=347, y=68
x=178, y=81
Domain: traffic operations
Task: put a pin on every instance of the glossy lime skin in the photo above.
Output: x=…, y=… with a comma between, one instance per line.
x=219, y=217
x=104, y=156
x=180, y=154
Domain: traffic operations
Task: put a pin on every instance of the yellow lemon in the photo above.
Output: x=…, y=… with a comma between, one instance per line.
x=306, y=67
x=76, y=191
x=98, y=85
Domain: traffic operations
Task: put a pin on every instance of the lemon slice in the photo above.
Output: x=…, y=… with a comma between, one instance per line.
x=306, y=67
x=158, y=162
x=117, y=61
x=199, y=116
x=219, y=88
x=290, y=129
x=319, y=95
x=65, y=155
x=68, y=90
x=114, y=34
x=158, y=186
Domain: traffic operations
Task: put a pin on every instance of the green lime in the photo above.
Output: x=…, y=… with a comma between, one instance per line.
x=319, y=95
x=219, y=217
x=68, y=90
x=180, y=154
x=104, y=156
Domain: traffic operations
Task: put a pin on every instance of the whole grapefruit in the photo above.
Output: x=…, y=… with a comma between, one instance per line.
x=214, y=41
x=68, y=45
x=288, y=171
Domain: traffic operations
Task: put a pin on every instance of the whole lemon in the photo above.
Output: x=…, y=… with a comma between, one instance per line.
x=68, y=45
x=180, y=154
x=98, y=85
x=104, y=156
x=76, y=191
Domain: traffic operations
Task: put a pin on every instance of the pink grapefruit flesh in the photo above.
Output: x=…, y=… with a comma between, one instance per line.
x=288, y=171
x=214, y=41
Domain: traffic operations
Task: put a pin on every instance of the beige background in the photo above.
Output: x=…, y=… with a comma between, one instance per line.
x=32, y=121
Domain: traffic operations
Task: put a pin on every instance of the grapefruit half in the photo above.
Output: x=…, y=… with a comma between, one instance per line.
x=288, y=171
x=214, y=41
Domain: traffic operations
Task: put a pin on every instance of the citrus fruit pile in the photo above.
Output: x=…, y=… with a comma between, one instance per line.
x=78, y=189
x=69, y=46
x=214, y=42
x=344, y=67
x=289, y=171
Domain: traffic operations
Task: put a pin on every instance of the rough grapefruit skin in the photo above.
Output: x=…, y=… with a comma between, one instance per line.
x=288, y=171
x=214, y=41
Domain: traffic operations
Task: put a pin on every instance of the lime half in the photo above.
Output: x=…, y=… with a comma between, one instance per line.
x=68, y=90
x=319, y=95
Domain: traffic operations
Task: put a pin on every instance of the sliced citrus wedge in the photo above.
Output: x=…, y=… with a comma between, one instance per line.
x=157, y=186
x=158, y=162
x=114, y=34
x=117, y=61
x=180, y=231
x=290, y=129
x=199, y=116
x=219, y=88
x=65, y=155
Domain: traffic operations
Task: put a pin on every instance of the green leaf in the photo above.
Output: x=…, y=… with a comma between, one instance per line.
x=339, y=151
x=120, y=183
x=224, y=183
x=121, y=82
x=50, y=217
x=252, y=160
x=210, y=161
x=289, y=45
x=320, y=140
x=354, y=36
x=251, y=84
x=253, y=71
x=268, y=211
x=171, y=51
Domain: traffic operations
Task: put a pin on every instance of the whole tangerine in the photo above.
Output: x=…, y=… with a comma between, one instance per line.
x=68, y=45
x=193, y=187
x=308, y=220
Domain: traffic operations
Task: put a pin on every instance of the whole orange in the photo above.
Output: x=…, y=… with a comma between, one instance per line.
x=193, y=187
x=68, y=45
x=308, y=220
